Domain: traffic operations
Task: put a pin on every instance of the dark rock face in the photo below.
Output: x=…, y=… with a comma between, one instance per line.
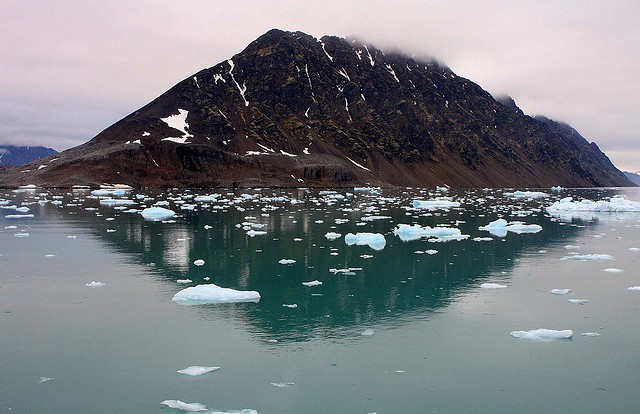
x=11, y=155
x=291, y=110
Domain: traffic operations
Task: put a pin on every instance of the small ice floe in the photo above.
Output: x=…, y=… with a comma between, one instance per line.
x=612, y=270
x=95, y=284
x=481, y=239
x=366, y=256
x=18, y=216
x=45, y=379
x=197, y=370
x=571, y=247
x=438, y=203
x=198, y=262
x=49, y=255
x=556, y=188
x=291, y=306
x=560, y=291
x=312, y=283
x=157, y=213
x=579, y=301
x=72, y=237
x=286, y=261
x=332, y=235
x=211, y=293
x=500, y=227
x=282, y=384
x=411, y=232
x=543, y=334
x=634, y=249
x=21, y=235
x=527, y=194
x=184, y=281
x=10, y=227
x=367, y=332
x=589, y=257
x=492, y=286
x=184, y=406
x=253, y=233
x=374, y=240
x=590, y=334
x=634, y=288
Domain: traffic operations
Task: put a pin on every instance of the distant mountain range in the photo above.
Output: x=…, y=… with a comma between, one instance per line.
x=11, y=155
x=295, y=111
x=633, y=176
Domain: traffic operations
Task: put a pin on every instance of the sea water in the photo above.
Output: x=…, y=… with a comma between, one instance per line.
x=426, y=324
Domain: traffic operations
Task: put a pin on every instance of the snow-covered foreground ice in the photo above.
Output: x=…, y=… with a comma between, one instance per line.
x=543, y=334
x=212, y=293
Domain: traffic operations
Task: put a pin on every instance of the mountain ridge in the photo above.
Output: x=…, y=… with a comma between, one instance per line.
x=293, y=110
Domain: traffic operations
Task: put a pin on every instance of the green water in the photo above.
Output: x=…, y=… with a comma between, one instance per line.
x=440, y=343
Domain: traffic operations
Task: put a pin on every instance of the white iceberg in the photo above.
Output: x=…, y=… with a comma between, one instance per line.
x=184, y=406
x=95, y=284
x=408, y=232
x=184, y=281
x=634, y=288
x=332, y=235
x=492, y=286
x=543, y=334
x=286, y=261
x=614, y=205
x=18, y=216
x=437, y=203
x=612, y=270
x=157, y=213
x=374, y=240
x=589, y=257
x=500, y=227
x=198, y=262
x=312, y=283
x=214, y=294
x=560, y=291
x=197, y=370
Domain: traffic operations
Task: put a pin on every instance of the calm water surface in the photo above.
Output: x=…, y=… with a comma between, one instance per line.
x=440, y=343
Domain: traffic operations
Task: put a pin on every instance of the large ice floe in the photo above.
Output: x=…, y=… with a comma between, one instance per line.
x=543, y=334
x=157, y=213
x=408, y=232
x=212, y=293
x=437, y=203
x=374, y=240
x=501, y=227
x=568, y=209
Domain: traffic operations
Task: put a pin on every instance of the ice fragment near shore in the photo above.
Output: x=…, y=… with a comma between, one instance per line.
x=212, y=293
x=180, y=405
x=543, y=334
x=197, y=370
x=157, y=213
x=374, y=240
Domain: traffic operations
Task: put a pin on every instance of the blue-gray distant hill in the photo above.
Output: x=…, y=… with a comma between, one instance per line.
x=291, y=110
x=633, y=177
x=10, y=155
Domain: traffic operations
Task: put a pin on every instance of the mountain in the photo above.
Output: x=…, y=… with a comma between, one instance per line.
x=633, y=177
x=10, y=155
x=292, y=110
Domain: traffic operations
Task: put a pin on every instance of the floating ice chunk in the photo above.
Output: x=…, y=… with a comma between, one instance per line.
x=431, y=252
x=556, y=188
x=580, y=301
x=312, y=283
x=588, y=257
x=95, y=284
x=374, y=240
x=634, y=288
x=500, y=227
x=367, y=332
x=569, y=208
x=197, y=370
x=527, y=194
x=292, y=306
x=560, y=291
x=571, y=247
x=184, y=281
x=332, y=235
x=492, y=286
x=634, y=249
x=21, y=235
x=116, y=202
x=612, y=270
x=22, y=209
x=184, y=406
x=286, y=261
x=282, y=384
x=592, y=334
x=408, y=232
x=18, y=216
x=157, y=213
x=45, y=379
x=481, y=239
x=214, y=294
x=437, y=203
x=109, y=192
x=198, y=262
x=543, y=334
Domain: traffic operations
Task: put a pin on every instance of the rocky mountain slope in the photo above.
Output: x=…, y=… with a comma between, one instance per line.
x=292, y=110
x=12, y=155
x=633, y=177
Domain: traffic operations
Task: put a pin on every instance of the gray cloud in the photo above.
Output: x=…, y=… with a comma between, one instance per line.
x=72, y=68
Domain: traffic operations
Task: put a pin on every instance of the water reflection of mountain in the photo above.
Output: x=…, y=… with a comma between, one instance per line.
x=394, y=284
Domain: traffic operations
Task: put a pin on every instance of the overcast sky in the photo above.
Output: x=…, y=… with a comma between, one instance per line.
x=69, y=69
